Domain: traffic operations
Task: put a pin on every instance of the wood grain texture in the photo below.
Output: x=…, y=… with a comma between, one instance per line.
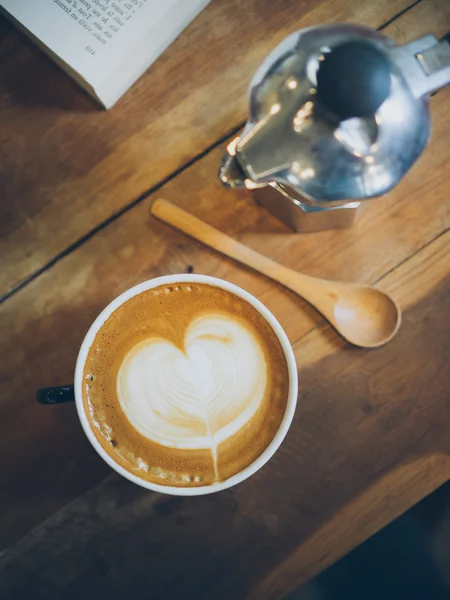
x=382, y=392
x=67, y=166
x=370, y=437
x=43, y=324
x=368, y=440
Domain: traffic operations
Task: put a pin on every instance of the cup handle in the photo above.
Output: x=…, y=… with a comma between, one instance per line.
x=56, y=395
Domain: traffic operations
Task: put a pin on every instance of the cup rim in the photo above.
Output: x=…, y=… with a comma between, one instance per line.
x=288, y=352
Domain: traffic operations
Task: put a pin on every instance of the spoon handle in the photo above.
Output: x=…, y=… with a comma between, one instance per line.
x=187, y=223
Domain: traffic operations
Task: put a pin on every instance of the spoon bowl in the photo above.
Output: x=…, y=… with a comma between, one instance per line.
x=365, y=316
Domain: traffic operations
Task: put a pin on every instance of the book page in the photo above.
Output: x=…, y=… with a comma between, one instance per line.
x=90, y=35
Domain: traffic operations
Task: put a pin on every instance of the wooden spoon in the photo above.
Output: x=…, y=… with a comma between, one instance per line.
x=363, y=315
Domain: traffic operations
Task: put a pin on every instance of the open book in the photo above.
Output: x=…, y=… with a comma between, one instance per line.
x=105, y=45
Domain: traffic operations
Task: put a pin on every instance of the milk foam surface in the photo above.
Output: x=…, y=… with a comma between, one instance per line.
x=185, y=384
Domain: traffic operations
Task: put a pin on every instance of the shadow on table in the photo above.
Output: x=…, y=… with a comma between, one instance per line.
x=29, y=78
x=410, y=559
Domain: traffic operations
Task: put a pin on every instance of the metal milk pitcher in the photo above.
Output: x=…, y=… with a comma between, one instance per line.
x=338, y=114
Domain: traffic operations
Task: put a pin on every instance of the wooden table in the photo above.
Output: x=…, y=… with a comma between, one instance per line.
x=371, y=436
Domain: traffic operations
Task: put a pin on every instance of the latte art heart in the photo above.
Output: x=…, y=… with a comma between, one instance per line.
x=198, y=398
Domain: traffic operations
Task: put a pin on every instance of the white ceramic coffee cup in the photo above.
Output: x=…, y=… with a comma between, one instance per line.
x=290, y=406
